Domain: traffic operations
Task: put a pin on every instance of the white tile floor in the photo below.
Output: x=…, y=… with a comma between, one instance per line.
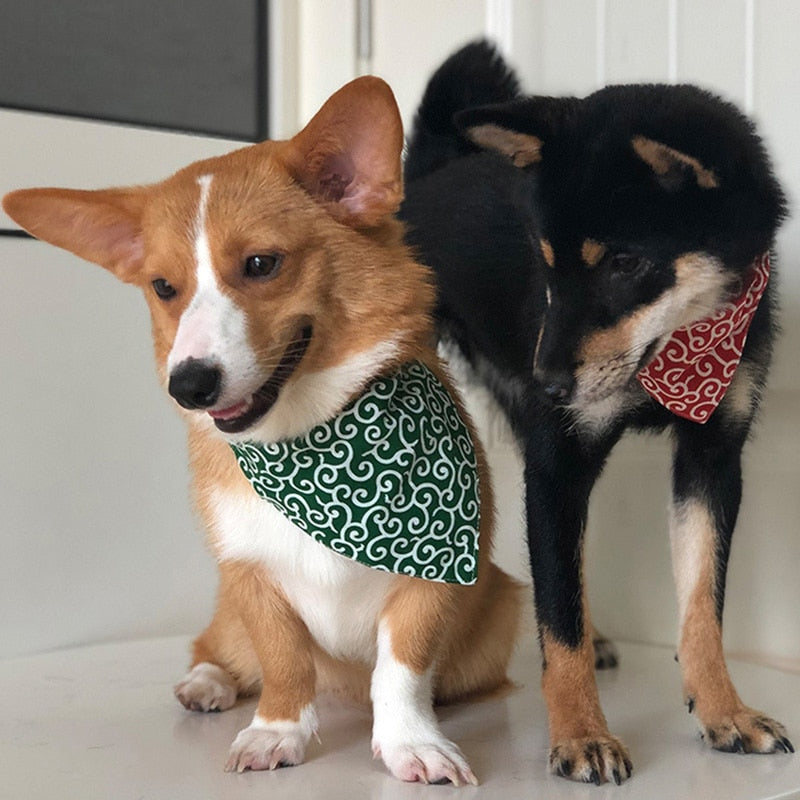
x=100, y=723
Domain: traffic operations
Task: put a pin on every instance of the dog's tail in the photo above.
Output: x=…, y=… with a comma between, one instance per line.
x=476, y=75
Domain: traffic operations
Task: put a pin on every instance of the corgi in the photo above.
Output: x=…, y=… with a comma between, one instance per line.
x=603, y=265
x=281, y=295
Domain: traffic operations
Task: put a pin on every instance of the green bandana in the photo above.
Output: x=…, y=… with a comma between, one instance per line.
x=391, y=482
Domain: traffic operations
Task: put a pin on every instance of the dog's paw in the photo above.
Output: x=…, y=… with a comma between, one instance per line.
x=434, y=761
x=206, y=687
x=268, y=746
x=591, y=760
x=744, y=731
x=605, y=653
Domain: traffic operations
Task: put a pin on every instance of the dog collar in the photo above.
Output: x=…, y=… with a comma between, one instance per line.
x=692, y=372
x=391, y=482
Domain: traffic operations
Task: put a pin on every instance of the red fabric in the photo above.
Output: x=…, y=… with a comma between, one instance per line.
x=691, y=374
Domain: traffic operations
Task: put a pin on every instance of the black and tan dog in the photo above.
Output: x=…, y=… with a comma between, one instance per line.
x=572, y=239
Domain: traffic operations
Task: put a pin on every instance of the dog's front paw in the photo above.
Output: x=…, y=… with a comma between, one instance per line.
x=268, y=745
x=744, y=731
x=435, y=761
x=591, y=760
x=206, y=687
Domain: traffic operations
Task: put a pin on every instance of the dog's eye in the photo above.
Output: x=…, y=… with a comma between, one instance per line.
x=164, y=289
x=263, y=267
x=626, y=263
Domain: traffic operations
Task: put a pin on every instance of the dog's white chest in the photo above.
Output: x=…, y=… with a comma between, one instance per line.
x=339, y=600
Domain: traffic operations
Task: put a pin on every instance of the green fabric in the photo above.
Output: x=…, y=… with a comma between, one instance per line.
x=391, y=482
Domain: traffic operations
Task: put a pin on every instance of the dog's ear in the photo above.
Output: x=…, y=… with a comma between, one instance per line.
x=349, y=155
x=100, y=226
x=517, y=129
x=673, y=168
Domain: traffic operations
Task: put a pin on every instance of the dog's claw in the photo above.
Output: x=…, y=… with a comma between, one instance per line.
x=746, y=731
x=594, y=761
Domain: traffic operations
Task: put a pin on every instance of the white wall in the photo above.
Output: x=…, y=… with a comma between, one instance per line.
x=96, y=533
x=97, y=537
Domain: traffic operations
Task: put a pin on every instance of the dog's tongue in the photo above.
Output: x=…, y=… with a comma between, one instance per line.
x=691, y=374
x=231, y=412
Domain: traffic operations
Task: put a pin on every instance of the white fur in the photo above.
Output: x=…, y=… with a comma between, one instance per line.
x=207, y=687
x=742, y=395
x=405, y=731
x=692, y=538
x=267, y=744
x=339, y=599
x=213, y=328
x=603, y=383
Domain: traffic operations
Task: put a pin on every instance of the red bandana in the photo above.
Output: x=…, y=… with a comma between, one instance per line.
x=691, y=374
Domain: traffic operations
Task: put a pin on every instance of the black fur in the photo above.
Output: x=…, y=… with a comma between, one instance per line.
x=478, y=221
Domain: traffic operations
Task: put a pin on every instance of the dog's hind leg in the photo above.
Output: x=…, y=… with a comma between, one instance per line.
x=560, y=473
x=224, y=664
x=706, y=496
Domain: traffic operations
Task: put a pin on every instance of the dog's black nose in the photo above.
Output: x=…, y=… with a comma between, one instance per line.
x=557, y=386
x=195, y=383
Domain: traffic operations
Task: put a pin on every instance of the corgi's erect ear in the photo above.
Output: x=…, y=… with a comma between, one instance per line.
x=100, y=226
x=672, y=167
x=349, y=155
x=517, y=129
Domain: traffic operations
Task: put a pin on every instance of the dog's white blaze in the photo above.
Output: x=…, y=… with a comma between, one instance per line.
x=692, y=539
x=213, y=327
x=338, y=599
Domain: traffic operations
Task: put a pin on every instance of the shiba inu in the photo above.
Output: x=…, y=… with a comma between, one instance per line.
x=604, y=264
x=342, y=490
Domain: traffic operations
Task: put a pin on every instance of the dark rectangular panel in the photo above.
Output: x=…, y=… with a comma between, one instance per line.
x=192, y=65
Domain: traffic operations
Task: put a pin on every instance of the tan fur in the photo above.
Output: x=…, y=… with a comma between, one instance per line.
x=662, y=158
x=521, y=148
x=346, y=272
x=466, y=632
x=581, y=743
x=592, y=252
x=547, y=252
x=609, y=357
x=570, y=691
x=723, y=718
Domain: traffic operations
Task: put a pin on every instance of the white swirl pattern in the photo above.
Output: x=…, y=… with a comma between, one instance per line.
x=391, y=482
x=692, y=372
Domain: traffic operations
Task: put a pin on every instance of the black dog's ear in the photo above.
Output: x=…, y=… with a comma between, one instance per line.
x=673, y=168
x=517, y=129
